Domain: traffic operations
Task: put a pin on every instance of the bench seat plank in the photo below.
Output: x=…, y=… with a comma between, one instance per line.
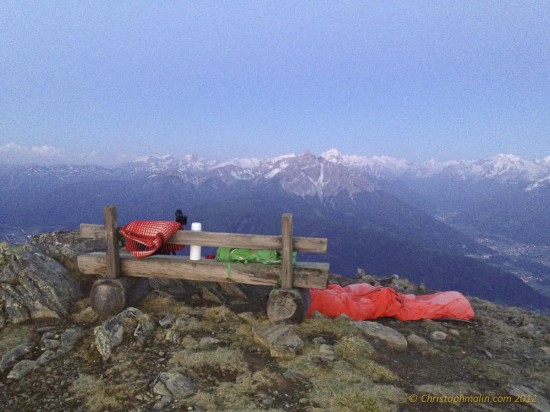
x=306, y=274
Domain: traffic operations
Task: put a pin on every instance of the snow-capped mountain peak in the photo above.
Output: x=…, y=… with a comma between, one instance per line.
x=309, y=175
x=333, y=156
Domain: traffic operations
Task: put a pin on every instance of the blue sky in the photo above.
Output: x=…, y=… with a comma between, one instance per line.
x=106, y=81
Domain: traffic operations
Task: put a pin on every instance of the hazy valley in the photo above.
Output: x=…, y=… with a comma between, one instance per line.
x=479, y=227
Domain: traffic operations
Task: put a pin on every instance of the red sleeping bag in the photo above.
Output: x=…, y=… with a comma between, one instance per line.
x=362, y=301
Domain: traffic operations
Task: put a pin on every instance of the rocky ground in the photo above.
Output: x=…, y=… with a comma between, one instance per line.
x=209, y=347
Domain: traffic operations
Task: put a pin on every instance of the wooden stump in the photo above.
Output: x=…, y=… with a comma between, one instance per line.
x=288, y=305
x=111, y=296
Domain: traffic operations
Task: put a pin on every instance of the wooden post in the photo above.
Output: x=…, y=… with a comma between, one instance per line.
x=110, y=296
x=111, y=240
x=287, y=275
x=288, y=305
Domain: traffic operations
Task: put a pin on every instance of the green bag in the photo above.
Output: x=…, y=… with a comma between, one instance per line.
x=266, y=257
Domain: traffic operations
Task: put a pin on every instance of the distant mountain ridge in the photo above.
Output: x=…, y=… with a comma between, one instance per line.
x=506, y=168
x=383, y=214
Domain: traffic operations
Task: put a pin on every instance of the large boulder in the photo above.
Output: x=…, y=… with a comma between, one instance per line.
x=33, y=286
x=65, y=247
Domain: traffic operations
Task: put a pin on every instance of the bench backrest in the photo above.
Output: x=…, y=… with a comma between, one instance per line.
x=286, y=243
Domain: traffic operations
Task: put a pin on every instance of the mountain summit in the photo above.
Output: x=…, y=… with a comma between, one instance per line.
x=202, y=346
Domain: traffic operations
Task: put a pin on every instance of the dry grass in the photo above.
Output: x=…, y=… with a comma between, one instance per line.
x=220, y=360
x=220, y=314
x=336, y=328
x=357, y=401
x=162, y=305
x=449, y=389
x=14, y=335
x=345, y=389
x=358, y=352
x=352, y=348
x=85, y=317
x=347, y=384
x=98, y=394
x=240, y=395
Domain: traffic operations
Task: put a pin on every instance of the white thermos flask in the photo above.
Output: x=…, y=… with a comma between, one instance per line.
x=195, y=250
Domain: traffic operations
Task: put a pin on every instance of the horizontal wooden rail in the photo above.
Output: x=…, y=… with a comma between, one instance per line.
x=306, y=274
x=232, y=240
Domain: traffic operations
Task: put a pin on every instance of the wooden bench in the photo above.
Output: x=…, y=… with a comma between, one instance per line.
x=121, y=272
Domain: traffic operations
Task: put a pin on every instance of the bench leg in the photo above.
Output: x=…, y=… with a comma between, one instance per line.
x=111, y=296
x=288, y=305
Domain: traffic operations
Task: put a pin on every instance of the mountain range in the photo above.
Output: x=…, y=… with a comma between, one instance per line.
x=480, y=226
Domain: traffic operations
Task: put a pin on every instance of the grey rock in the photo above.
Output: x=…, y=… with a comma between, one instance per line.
x=12, y=356
x=166, y=321
x=208, y=341
x=33, y=285
x=281, y=340
x=432, y=325
x=22, y=368
x=173, y=336
x=162, y=403
x=14, y=306
x=542, y=404
x=49, y=335
x=318, y=315
x=144, y=329
x=319, y=340
x=174, y=384
x=2, y=320
x=417, y=342
x=46, y=357
x=528, y=331
x=65, y=247
x=438, y=335
x=107, y=337
x=111, y=333
x=326, y=352
x=389, y=336
x=50, y=344
x=265, y=399
x=71, y=336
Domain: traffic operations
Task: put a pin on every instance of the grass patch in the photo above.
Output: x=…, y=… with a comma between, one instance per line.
x=221, y=361
x=358, y=352
x=98, y=394
x=220, y=314
x=349, y=383
x=450, y=389
x=344, y=389
x=336, y=328
x=351, y=348
x=85, y=317
x=155, y=304
x=14, y=335
x=357, y=401
x=240, y=395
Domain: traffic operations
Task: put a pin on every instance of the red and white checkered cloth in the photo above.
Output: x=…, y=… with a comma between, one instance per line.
x=147, y=237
